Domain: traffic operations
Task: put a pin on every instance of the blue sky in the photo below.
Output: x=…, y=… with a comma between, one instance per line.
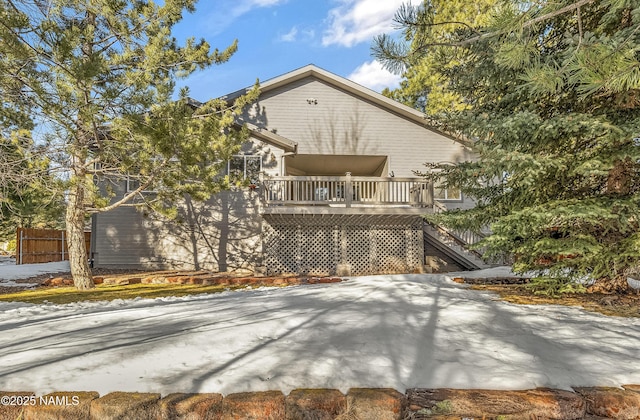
x=277, y=36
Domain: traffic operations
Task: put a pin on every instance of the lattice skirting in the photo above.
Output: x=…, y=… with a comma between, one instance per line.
x=313, y=246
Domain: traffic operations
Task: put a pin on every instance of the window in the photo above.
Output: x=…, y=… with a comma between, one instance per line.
x=243, y=167
x=451, y=193
x=441, y=193
x=133, y=184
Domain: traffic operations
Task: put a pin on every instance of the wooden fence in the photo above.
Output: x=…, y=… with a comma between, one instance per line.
x=44, y=245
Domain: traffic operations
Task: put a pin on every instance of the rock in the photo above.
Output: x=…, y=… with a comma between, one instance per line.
x=268, y=405
x=197, y=280
x=109, y=280
x=13, y=408
x=611, y=402
x=176, y=280
x=635, y=388
x=378, y=403
x=190, y=406
x=325, y=280
x=634, y=283
x=317, y=404
x=126, y=405
x=61, y=405
x=237, y=282
x=322, y=280
x=510, y=405
x=57, y=282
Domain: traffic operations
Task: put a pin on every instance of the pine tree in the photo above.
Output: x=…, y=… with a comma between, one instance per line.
x=552, y=91
x=29, y=192
x=98, y=79
x=424, y=85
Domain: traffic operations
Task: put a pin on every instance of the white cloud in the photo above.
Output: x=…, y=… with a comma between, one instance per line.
x=372, y=75
x=220, y=14
x=243, y=6
x=265, y=3
x=355, y=21
x=290, y=36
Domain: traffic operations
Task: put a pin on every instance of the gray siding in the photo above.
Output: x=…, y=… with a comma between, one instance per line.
x=221, y=234
x=225, y=232
x=343, y=124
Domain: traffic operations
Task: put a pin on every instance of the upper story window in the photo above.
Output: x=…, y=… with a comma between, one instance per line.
x=241, y=167
x=443, y=194
x=450, y=193
x=133, y=184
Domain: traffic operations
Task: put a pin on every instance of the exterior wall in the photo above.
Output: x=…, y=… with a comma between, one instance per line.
x=271, y=155
x=343, y=124
x=321, y=246
x=221, y=234
x=227, y=232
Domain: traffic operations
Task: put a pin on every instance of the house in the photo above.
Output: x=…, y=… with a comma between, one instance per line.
x=332, y=191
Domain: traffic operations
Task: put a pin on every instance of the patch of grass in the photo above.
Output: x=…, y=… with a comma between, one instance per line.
x=627, y=306
x=103, y=292
x=443, y=407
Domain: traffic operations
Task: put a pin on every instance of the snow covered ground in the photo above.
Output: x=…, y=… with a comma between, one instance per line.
x=9, y=271
x=4, y=260
x=397, y=331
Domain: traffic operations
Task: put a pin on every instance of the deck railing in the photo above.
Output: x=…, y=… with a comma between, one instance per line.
x=345, y=191
x=465, y=237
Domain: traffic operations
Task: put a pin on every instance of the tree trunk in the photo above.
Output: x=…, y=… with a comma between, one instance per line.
x=78, y=260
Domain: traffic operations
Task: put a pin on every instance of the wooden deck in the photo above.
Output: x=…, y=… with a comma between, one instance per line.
x=345, y=195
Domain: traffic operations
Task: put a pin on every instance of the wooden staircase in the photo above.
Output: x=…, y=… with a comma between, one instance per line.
x=454, y=246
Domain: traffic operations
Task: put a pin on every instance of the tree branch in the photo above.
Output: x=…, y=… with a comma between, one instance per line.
x=529, y=23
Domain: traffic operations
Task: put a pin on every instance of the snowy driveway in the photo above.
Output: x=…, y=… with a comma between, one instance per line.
x=397, y=331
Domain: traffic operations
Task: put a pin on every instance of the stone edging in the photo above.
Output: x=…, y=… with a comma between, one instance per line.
x=358, y=404
x=202, y=279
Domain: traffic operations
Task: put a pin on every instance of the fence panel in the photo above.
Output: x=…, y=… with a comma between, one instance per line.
x=44, y=245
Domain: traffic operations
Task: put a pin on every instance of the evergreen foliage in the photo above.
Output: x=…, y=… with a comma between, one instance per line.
x=29, y=194
x=28, y=191
x=424, y=85
x=97, y=77
x=551, y=94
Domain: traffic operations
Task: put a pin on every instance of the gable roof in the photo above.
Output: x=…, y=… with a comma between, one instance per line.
x=349, y=86
x=337, y=81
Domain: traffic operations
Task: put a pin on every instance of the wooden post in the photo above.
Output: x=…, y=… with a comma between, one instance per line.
x=263, y=196
x=430, y=194
x=348, y=190
x=20, y=246
x=62, y=233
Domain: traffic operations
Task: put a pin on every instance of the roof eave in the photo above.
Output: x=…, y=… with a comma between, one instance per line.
x=271, y=138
